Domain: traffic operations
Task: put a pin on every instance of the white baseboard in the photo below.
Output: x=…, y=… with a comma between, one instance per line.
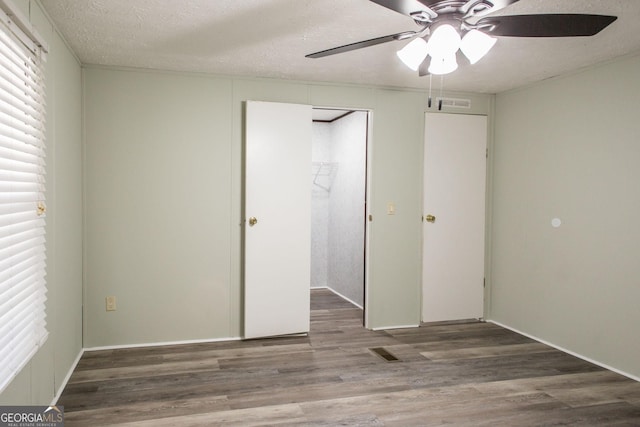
x=159, y=344
x=383, y=328
x=579, y=356
x=345, y=298
x=66, y=378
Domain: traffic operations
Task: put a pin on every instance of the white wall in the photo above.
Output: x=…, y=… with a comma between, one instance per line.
x=569, y=148
x=322, y=177
x=163, y=188
x=42, y=378
x=346, y=207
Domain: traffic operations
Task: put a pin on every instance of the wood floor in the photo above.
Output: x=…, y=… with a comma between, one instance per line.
x=463, y=374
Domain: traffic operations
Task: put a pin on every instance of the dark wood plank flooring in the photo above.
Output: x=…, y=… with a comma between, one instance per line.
x=464, y=374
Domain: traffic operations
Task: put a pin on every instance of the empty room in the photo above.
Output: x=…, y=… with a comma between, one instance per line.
x=320, y=212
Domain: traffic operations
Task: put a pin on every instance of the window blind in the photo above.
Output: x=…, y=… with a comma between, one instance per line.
x=22, y=197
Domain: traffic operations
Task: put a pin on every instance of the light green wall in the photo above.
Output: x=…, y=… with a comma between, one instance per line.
x=163, y=200
x=570, y=148
x=157, y=207
x=395, y=241
x=42, y=378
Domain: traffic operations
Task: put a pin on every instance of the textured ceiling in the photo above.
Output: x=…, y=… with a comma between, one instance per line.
x=269, y=38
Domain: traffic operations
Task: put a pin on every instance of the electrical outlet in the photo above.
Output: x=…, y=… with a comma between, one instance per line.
x=111, y=303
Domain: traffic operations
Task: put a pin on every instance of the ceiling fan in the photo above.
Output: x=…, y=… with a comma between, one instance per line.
x=466, y=25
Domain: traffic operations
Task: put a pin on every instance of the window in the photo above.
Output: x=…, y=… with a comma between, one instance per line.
x=22, y=186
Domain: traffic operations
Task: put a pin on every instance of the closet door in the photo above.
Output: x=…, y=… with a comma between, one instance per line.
x=277, y=227
x=454, y=204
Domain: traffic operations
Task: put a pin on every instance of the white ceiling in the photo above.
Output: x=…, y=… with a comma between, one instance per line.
x=269, y=38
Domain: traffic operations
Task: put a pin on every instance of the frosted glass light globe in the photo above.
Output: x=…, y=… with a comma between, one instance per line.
x=444, y=65
x=413, y=53
x=476, y=44
x=444, y=41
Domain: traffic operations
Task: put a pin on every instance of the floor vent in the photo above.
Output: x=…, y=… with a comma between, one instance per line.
x=384, y=354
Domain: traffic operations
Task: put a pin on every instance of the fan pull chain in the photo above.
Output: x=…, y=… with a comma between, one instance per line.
x=440, y=100
x=429, y=100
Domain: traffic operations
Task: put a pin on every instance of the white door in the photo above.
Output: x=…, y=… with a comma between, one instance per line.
x=454, y=194
x=277, y=233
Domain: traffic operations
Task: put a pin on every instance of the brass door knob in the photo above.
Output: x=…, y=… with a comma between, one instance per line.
x=253, y=221
x=430, y=218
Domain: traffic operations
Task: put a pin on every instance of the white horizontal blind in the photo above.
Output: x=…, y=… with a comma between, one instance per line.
x=22, y=185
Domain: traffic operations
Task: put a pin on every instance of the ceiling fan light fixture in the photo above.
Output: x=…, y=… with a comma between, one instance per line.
x=443, y=65
x=414, y=53
x=444, y=41
x=476, y=44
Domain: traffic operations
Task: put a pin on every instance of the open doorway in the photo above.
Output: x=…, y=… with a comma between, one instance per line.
x=338, y=206
x=277, y=247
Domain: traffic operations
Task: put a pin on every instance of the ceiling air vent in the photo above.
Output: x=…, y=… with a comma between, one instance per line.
x=454, y=103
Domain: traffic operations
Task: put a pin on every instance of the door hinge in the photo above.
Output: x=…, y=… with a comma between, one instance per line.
x=484, y=282
x=486, y=153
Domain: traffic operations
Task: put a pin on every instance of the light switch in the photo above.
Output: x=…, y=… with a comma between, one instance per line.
x=391, y=208
x=111, y=303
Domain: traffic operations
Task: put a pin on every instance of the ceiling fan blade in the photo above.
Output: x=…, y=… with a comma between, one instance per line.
x=413, y=8
x=360, y=45
x=423, y=70
x=549, y=25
